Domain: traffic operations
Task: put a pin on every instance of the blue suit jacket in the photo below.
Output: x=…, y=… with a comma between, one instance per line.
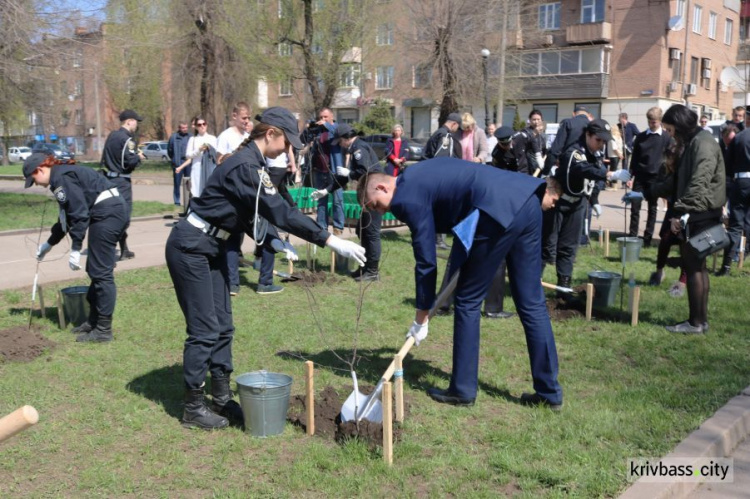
x=435, y=195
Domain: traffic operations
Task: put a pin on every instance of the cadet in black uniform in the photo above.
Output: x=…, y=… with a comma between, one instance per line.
x=233, y=198
x=443, y=142
x=528, y=145
x=580, y=167
x=502, y=154
x=568, y=134
x=120, y=157
x=362, y=160
x=87, y=201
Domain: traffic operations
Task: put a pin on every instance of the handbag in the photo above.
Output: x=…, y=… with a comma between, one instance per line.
x=708, y=241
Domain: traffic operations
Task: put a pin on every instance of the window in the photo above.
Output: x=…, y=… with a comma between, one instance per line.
x=563, y=62
x=384, y=78
x=285, y=87
x=549, y=16
x=592, y=11
x=697, y=19
x=284, y=9
x=550, y=63
x=713, y=17
x=78, y=89
x=384, y=34
x=285, y=49
x=591, y=61
x=728, y=27
x=676, y=69
x=549, y=112
x=78, y=58
x=349, y=116
x=594, y=108
x=349, y=76
x=317, y=5
x=694, y=68
x=79, y=117
x=317, y=46
x=422, y=76
x=680, y=8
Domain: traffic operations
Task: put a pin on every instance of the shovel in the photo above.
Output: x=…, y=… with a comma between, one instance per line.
x=561, y=289
x=371, y=408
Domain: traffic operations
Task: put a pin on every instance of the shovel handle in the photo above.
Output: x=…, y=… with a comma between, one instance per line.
x=558, y=288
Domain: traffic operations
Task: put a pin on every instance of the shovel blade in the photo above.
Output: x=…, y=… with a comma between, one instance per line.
x=348, y=411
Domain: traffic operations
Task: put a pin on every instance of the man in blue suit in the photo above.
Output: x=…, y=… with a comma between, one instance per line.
x=495, y=215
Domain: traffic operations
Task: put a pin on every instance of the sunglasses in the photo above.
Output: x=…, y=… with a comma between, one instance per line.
x=203, y=123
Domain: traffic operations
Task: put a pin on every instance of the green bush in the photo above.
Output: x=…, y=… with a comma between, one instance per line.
x=379, y=119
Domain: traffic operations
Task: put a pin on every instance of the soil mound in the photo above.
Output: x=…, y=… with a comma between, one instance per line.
x=22, y=344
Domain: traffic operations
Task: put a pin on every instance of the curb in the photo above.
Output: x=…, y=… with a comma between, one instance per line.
x=20, y=232
x=718, y=436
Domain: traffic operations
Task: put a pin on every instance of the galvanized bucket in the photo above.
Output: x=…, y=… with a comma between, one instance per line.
x=606, y=285
x=264, y=398
x=630, y=249
x=75, y=305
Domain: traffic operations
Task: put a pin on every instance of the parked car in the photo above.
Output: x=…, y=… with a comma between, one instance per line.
x=18, y=154
x=155, y=150
x=378, y=141
x=56, y=149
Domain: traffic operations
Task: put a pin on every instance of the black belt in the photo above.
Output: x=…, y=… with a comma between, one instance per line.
x=112, y=174
x=197, y=222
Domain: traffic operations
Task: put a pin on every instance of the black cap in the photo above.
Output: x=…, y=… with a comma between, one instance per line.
x=455, y=117
x=580, y=108
x=129, y=114
x=31, y=164
x=504, y=133
x=600, y=128
x=343, y=131
x=283, y=118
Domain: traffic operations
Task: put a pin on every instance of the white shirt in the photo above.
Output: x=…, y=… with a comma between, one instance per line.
x=657, y=132
x=229, y=140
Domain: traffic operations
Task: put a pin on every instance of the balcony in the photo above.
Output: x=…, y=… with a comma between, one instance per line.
x=578, y=34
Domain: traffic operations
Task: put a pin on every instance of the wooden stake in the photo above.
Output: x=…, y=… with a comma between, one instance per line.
x=291, y=267
x=309, y=257
x=387, y=423
x=589, y=300
x=606, y=243
x=17, y=421
x=60, y=311
x=42, y=310
x=743, y=241
x=636, y=300
x=310, y=398
x=399, y=386
x=333, y=262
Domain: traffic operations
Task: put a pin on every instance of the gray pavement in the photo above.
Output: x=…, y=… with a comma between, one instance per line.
x=723, y=435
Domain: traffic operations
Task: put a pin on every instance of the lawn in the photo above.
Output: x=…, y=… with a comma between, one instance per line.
x=109, y=414
x=147, y=167
x=32, y=210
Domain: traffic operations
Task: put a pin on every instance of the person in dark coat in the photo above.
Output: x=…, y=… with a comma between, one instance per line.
x=444, y=141
x=396, y=151
x=569, y=133
x=88, y=202
x=176, y=149
x=238, y=197
x=495, y=215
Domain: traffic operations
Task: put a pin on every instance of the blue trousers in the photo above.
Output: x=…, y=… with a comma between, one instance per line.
x=520, y=245
x=267, y=260
x=234, y=250
x=177, y=181
x=321, y=180
x=196, y=263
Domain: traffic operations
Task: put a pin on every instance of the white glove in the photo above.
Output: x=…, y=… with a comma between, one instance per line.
x=538, y=159
x=621, y=175
x=280, y=246
x=43, y=250
x=596, y=210
x=75, y=260
x=320, y=193
x=418, y=332
x=347, y=249
x=342, y=171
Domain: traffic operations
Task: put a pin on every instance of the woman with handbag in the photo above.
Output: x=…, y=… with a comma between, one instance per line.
x=697, y=187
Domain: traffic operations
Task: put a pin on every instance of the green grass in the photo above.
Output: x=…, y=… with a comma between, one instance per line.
x=28, y=209
x=146, y=168
x=109, y=413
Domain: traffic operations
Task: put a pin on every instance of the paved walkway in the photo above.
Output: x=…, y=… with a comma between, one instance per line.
x=720, y=436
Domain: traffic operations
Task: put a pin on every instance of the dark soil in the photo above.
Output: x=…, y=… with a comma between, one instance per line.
x=561, y=309
x=22, y=344
x=307, y=278
x=328, y=423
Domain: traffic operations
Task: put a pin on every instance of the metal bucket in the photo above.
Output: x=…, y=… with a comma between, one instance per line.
x=75, y=305
x=630, y=249
x=264, y=398
x=606, y=285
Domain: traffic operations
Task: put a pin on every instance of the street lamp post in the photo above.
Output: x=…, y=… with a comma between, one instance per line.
x=485, y=56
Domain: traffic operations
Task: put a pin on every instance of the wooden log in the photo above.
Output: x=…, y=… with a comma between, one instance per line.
x=387, y=423
x=398, y=376
x=310, y=396
x=17, y=421
x=606, y=243
x=636, y=301
x=589, y=300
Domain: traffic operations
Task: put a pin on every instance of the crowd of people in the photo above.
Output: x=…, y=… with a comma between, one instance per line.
x=513, y=205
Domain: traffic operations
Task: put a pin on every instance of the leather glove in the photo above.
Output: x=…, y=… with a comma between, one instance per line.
x=621, y=175
x=632, y=196
x=75, y=260
x=342, y=171
x=320, y=193
x=347, y=249
x=280, y=246
x=43, y=250
x=418, y=331
x=596, y=210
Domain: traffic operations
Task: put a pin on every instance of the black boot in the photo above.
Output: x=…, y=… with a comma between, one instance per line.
x=564, y=282
x=88, y=325
x=724, y=271
x=101, y=333
x=197, y=415
x=222, y=402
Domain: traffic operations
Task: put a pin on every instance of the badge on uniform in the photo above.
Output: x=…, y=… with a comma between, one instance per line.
x=579, y=156
x=267, y=184
x=131, y=145
x=60, y=195
x=358, y=155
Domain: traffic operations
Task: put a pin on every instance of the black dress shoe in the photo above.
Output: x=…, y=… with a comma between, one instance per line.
x=723, y=271
x=443, y=311
x=446, y=397
x=499, y=315
x=536, y=399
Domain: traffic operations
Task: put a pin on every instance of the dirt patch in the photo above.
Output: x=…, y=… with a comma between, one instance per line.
x=308, y=278
x=22, y=344
x=560, y=309
x=328, y=424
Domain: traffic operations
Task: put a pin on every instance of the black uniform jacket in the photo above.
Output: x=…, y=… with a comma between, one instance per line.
x=120, y=154
x=578, y=166
x=76, y=189
x=228, y=201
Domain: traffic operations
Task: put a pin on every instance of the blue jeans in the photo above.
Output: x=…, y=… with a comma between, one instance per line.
x=321, y=180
